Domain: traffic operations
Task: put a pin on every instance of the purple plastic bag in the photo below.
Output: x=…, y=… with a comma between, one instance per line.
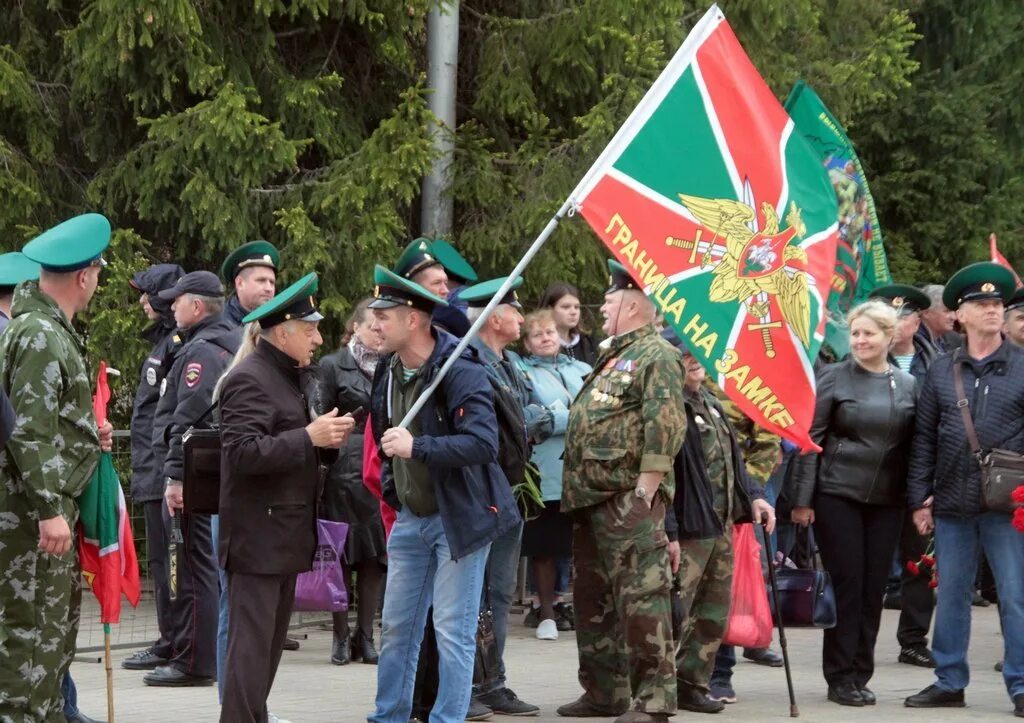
x=323, y=587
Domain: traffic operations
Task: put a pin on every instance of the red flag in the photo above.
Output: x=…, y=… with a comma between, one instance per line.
x=998, y=258
x=105, y=544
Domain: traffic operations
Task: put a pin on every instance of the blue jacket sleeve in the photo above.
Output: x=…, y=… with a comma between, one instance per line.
x=470, y=412
x=920, y=476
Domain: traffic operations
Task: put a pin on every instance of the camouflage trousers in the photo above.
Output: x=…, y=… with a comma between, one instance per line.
x=705, y=579
x=39, y=611
x=621, y=596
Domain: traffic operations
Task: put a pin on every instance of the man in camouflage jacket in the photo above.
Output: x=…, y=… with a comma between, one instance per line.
x=624, y=429
x=44, y=467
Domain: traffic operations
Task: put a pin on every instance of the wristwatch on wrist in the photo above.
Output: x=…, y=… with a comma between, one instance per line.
x=640, y=492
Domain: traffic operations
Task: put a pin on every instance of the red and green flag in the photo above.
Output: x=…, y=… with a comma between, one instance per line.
x=106, y=546
x=998, y=258
x=725, y=216
x=861, y=263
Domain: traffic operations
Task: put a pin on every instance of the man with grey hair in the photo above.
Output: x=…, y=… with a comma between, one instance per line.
x=937, y=322
x=210, y=339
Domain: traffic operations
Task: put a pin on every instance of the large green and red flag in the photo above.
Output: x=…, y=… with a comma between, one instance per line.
x=861, y=263
x=106, y=547
x=998, y=258
x=725, y=216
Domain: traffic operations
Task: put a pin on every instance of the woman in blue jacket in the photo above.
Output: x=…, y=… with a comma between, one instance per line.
x=556, y=379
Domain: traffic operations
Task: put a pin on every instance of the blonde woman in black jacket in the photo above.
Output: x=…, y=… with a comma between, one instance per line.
x=853, y=491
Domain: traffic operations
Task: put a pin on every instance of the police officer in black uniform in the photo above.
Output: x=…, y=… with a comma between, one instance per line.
x=147, y=476
x=210, y=341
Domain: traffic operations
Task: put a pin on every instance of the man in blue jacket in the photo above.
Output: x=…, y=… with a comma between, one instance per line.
x=944, y=485
x=451, y=496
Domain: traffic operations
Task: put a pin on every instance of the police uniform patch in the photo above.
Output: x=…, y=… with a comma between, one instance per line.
x=151, y=376
x=193, y=372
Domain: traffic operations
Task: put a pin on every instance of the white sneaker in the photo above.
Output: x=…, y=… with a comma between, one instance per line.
x=271, y=718
x=547, y=630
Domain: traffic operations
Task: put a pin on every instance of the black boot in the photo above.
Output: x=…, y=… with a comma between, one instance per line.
x=362, y=647
x=341, y=653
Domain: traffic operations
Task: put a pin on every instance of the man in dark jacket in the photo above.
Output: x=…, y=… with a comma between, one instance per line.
x=713, y=490
x=147, y=475
x=209, y=341
x=937, y=322
x=251, y=270
x=272, y=457
x=913, y=354
x=944, y=487
x=452, y=497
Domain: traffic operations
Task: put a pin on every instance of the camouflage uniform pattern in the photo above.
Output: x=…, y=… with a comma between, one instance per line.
x=705, y=568
x=760, y=448
x=628, y=418
x=43, y=469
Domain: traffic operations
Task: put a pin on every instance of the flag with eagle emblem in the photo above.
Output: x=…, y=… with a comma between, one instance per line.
x=726, y=218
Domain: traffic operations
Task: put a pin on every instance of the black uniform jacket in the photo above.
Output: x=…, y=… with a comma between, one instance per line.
x=270, y=470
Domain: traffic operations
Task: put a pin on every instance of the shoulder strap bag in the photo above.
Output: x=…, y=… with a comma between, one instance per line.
x=1002, y=470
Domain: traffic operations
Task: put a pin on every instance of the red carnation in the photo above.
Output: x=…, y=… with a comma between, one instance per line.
x=933, y=583
x=1018, y=518
x=1018, y=495
x=915, y=570
x=928, y=560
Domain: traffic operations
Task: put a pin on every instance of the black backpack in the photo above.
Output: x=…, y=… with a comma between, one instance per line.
x=513, y=447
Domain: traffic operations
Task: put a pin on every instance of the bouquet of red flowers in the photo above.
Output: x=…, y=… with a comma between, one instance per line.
x=1018, y=513
x=924, y=566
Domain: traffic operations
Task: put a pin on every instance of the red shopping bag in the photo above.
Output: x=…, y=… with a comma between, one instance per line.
x=750, y=618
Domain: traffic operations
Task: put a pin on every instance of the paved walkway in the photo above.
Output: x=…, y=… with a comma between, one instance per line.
x=309, y=689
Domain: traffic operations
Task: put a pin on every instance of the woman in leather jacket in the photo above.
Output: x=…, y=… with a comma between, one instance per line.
x=853, y=491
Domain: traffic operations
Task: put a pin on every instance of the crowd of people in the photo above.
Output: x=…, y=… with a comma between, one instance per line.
x=618, y=469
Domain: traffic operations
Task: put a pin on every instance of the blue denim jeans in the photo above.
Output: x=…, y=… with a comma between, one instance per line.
x=502, y=570
x=421, y=573
x=725, y=661
x=957, y=544
x=222, y=610
x=70, y=694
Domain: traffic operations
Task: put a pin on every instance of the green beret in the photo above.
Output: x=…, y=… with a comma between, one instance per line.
x=418, y=255
x=479, y=295
x=618, y=278
x=72, y=245
x=254, y=253
x=977, y=282
x=297, y=303
x=15, y=267
x=904, y=298
x=454, y=263
x=392, y=290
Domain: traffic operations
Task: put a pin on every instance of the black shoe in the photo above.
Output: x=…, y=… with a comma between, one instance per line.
x=867, y=696
x=477, y=711
x=565, y=616
x=1018, y=705
x=935, y=697
x=693, y=699
x=892, y=601
x=845, y=694
x=583, y=707
x=532, y=618
x=82, y=718
x=978, y=601
x=143, y=660
x=917, y=655
x=341, y=650
x=998, y=667
x=763, y=656
x=167, y=676
x=290, y=644
x=363, y=648
x=504, y=702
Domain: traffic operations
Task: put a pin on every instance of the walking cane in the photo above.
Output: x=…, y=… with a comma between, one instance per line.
x=110, y=673
x=794, y=712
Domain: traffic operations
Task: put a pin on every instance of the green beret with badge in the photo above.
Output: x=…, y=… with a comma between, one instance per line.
x=391, y=290
x=479, y=295
x=253, y=253
x=979, y=282
x=296, y=303
x=904, y=298
x=417, y=256
x=618, y=278
x=16, y=267
x=72, y=245
x=453, y=262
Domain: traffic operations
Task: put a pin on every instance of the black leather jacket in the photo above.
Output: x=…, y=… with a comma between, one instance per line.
x=864, y=422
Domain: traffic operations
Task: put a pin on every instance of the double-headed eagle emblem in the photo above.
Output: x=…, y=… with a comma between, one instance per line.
x=754, y=262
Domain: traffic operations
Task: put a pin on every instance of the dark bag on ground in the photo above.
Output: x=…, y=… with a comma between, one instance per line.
x=201, y=473
x=1002, y=470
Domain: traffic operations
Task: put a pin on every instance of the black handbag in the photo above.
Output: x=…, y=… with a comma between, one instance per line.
x=486, y=666
x=806, y=598
x=1002, y=470
x=201, y=470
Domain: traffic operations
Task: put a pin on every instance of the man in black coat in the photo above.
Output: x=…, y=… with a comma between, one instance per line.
x=210, y=340
x=272, y=456
x=147, y=476
x=944, y=486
